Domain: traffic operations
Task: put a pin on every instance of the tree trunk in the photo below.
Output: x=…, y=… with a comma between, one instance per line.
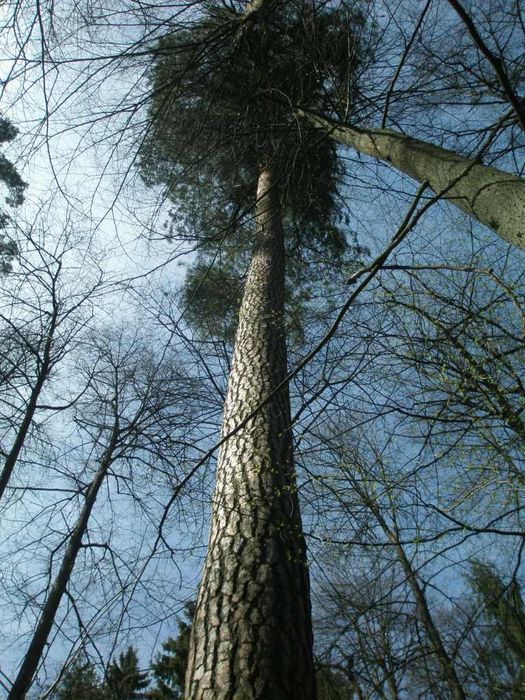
x=25, y=425
x=251, y=636
x=493, y=197
x=47, y=617
x=424, y=614
x=445, y=662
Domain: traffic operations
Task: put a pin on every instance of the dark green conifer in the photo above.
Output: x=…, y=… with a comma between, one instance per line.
x=124, y=680
x=224, y=95
x=80, y=682
x=11, y=179
x=169, y=669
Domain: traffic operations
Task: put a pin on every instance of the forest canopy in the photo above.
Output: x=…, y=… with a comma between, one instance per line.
x=262, y=349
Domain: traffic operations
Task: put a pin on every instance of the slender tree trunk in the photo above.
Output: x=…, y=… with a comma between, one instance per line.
x=251, y=636
x=23, y=430
x=47, y=617
x=447, y=667
x=493, y=197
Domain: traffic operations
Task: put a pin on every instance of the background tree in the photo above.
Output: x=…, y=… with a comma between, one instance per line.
x=124, y=680
x=493, y=197
x=80, y=682
x=43, y=315
x=504, y=610
x=129, y=413
x=169, y=669
x=11, y=179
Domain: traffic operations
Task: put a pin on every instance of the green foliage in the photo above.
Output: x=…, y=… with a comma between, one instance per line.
x=8, y=250
x=124, y=681
x=80, y=682
x=212, y=297
x=169, y=669
x=333, y=685
x=504, y=608
x=9, y=177
x=223, y=100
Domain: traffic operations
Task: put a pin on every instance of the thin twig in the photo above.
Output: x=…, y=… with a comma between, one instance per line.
x=494, y=61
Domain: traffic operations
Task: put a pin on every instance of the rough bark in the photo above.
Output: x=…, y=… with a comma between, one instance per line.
x=491, y=196
x=252, y=634
x=45, y=623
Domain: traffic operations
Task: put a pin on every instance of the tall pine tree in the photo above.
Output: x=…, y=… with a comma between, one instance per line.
x=225, y=143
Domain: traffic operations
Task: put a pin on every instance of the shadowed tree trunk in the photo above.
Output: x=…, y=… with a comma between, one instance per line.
x=252, y=633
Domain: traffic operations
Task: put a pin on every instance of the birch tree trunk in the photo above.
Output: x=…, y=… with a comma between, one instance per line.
x=493, y=197
x=252, y=635
x=46, y=621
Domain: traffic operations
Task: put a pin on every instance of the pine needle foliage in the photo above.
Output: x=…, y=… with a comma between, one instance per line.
x=124, y=680
x=169, y=669
x=10, y=179
x=80, y=682
x=504, y=609
x=222, y=108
